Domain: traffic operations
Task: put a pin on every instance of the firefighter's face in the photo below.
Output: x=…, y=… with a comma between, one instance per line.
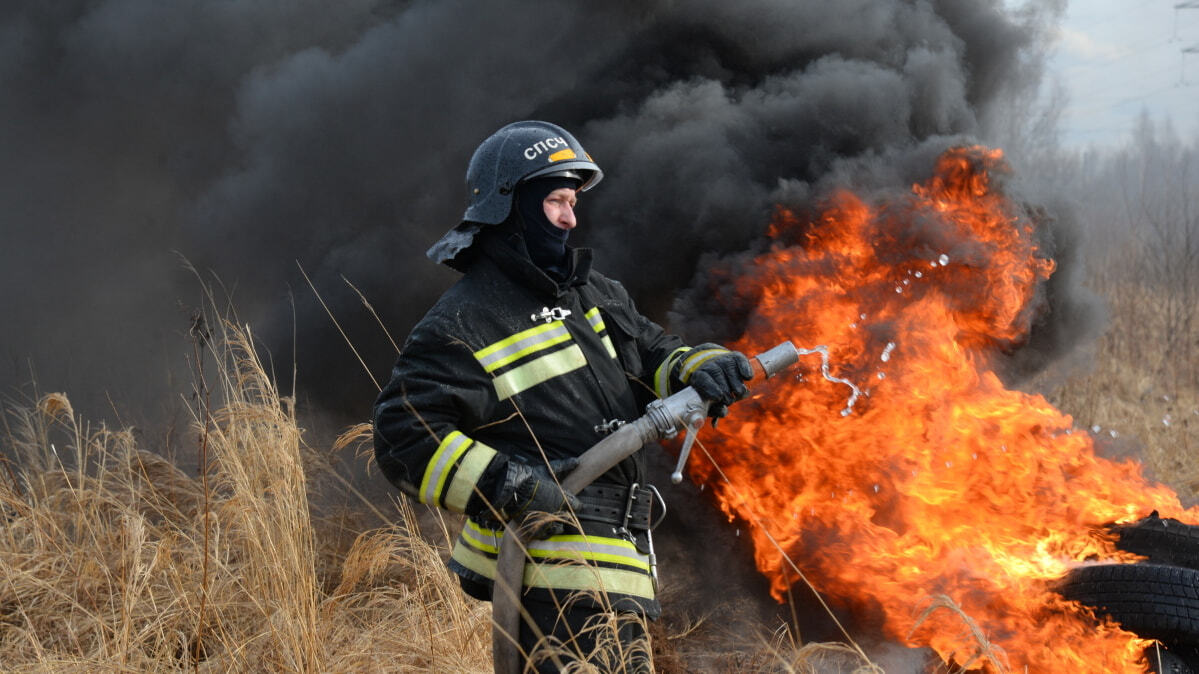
x=559, y=208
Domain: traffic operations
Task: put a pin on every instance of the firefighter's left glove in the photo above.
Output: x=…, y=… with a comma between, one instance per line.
x=529, y=489
x=720, y=378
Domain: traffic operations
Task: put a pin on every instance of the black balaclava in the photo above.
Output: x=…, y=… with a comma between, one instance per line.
x=545, y=242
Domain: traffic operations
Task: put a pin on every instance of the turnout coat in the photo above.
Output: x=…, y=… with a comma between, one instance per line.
x=510, y=364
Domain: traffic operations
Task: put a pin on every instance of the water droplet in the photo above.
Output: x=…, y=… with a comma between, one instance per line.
x=845, y=412
x=1113, y=433
x=907, y=282
x=1167, y=419
x=1095, y=428
x=949, y=464
x=882, y=375
x=862, y=316
x=876, y=488
x=919, y=274
x=974, y=455
x=853, y=325
x=944, y=259
x=898, y=289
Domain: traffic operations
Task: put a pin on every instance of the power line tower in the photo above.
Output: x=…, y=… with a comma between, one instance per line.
x=1193, y=49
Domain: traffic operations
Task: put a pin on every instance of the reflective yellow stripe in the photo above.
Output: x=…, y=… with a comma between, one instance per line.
x=593, y=317
x=662, y=374
x=590, y=548
x=481, y=538
x=563, y=547
x=469, y=471
x=573, y=577
x=562, y=575
x=534, y=372
x=447, y=453
x=697, y=358
x=521, y=344
x=597, y=323
x=608, y=345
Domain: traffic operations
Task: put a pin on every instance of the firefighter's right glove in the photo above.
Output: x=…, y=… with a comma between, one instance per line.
x=718, y=377
x=529, y=489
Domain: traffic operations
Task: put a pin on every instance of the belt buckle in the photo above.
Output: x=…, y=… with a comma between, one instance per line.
x=649, y=532
x=628, y=513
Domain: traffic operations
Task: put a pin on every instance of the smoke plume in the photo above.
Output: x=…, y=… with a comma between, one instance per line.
x=258, y=139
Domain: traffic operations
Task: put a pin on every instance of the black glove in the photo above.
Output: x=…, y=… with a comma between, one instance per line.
x=528, y=488
x=720, y=379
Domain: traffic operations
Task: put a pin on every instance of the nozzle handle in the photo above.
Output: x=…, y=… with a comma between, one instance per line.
x=765, y=365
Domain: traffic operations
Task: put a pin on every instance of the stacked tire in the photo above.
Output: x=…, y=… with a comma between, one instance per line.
x=1155, y=599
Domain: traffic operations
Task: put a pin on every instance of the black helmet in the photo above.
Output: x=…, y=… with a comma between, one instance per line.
x=518, y=152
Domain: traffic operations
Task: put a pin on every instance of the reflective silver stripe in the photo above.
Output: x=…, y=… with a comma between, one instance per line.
x=662, y=375
x=592, y=548
x=534, y=372
x=597, y=323
x=562, y=547
x=593, y=317
x=469, y=471
x=574, y=577
x=697, y=358
x=447, y=453
x=521, y=344
x=561, y=574
x=481, y=538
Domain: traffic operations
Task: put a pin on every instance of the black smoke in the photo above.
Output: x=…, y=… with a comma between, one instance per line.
x=255, y=139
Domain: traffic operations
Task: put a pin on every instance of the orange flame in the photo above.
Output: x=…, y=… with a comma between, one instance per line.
x=940, y=481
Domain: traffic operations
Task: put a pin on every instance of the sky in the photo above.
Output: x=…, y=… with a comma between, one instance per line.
x=1115, y=58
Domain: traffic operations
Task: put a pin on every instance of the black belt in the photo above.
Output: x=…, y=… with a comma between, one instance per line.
x=620, y=506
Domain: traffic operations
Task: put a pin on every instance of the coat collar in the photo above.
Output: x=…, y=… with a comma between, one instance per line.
x=507, y=251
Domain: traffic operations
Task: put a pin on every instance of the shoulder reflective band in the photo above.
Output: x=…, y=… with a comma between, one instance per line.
x=597, y=323
x=662, y=374
x=453, y=451
x=512, y=349
x=534, y=372
x=694, y=359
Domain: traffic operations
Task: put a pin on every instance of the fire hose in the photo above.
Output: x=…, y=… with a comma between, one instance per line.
x=684, y=411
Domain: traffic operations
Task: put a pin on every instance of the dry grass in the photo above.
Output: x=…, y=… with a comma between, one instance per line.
x=1141, y=395
x=113, y=559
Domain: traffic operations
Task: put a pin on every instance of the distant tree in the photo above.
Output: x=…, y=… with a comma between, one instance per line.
x=1159, y=179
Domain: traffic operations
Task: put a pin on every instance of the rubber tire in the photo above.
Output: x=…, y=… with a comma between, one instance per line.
x=1163, y=661
x=1164, y=541
x=1150, y=600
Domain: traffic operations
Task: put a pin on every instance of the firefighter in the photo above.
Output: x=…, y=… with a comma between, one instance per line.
x=525, y=363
